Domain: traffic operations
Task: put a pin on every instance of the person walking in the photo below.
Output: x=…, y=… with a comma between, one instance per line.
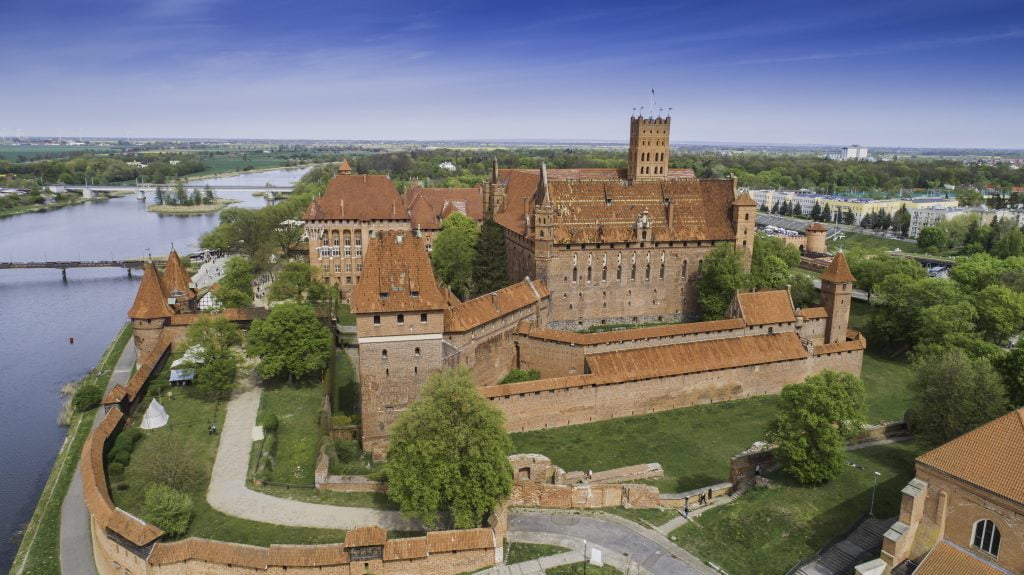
x=686, y=511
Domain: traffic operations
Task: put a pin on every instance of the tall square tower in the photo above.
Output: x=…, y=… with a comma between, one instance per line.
x=648, y=148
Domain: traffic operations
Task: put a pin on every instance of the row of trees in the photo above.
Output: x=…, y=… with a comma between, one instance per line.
x=97, y=169
x=1002, y=238
x=179, y=196
x=722, y=275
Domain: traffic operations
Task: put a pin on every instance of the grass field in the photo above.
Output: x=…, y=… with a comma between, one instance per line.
x=519, y=552
x=190, y=418
x=578, y=569
x=346, y=389
x=853, y=241
x=40, y=548
x=11, y=153
x=217, y=205
x=770, y=530
x=297, y=408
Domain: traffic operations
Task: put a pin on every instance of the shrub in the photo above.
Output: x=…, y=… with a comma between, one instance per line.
x=270, y=423
x=121, y=456
x=115, y=469
x=517, y=375
x=87, y=396
x=166, y=459
x=341, y=420
x=168, y=509
x=347, y=450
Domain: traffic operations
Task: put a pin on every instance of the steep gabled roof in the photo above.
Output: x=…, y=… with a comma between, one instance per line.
x=762, y=307
x=150, y=300
x=744, y=199
x=429, y=206
x=358, y=197
x=838, y=271
x=991, y=456
x=396, y=276
x=176, y=277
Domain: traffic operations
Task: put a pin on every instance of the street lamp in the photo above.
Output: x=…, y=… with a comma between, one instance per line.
x=874, y=484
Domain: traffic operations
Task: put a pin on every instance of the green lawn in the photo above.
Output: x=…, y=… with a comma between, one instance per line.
x=345, y=315
x=297, y=408
x=689, y=443
x=519, y=552
x=652, y=517
x=770, y=530
x=190, y=417
x=872, y=243
x=578, y=569
x=885, y=378
x=370, y=500
x=346, y=390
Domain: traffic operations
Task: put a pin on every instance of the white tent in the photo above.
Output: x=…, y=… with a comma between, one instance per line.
x=156, y=416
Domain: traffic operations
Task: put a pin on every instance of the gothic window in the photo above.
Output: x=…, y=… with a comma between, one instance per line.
x=686, y=266
x=417, y=352
x=986, y=537
x=632, y=273
x=661, y=274
x=359, y=244
x=618, y=273
x=575, y=275
x=604, y=273
x=747, y=217
x=348, y=244
x=383, y=354
x=590, y=274
x=647, y=273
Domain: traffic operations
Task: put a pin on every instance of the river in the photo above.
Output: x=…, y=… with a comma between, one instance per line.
x=39, y=313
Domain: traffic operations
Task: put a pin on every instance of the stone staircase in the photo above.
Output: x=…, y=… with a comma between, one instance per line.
x=861, y=544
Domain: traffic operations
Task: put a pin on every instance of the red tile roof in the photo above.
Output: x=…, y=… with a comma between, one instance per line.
x=838, y=271
x=948, y=559
x=307, y=555
x=602, y=211
x=597, y=338
x=763, y=307
x=459, y=540
x=150, y=300
x=396, y=276
x=991, y=456
x=358, y=197
x=366, y=537
x=814, y=312
x=744, y=199
x=429, y=206
x=476, y=312
x=815, y=227
x=403, y=549
x=176, y=277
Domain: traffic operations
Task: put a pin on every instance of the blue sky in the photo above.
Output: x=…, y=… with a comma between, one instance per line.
x=889, y=73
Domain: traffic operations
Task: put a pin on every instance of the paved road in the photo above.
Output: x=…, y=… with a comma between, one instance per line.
x=229, y=494
x=75, y=540
x=622, y=539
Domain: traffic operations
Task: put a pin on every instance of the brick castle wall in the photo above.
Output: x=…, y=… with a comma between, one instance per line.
x=584, y=404
x=489, y=350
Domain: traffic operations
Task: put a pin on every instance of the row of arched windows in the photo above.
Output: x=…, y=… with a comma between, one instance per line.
x=646, y=157
x=633, y=271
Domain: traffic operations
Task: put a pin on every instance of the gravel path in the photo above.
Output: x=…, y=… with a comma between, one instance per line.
x=229, y=494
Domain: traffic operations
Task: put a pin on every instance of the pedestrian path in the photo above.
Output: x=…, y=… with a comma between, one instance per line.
x=862, y=544
x=229, y=494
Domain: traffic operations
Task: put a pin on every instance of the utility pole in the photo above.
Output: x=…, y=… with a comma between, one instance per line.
x=871, y=510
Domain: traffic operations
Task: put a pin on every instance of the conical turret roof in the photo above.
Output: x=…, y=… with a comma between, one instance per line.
x=838, y=271
x=176, y=277
x=344, y=168
x=150, y=300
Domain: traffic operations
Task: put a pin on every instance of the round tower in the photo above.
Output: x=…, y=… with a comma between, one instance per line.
x=815, y=239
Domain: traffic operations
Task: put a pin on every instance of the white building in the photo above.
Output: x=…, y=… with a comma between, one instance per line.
x=854, y=152
x=921, y=218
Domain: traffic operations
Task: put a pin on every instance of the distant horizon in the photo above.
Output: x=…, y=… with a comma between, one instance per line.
x=514, y=141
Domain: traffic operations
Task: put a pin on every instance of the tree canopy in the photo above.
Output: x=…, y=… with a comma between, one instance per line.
x=953, y=393
x=813, y=422
x=721, y=277
x=235, y=287
x=489, y=273
x=453, y=253
x=448, y=462
x=297, y=281
x=290, y=341
x=216, y=368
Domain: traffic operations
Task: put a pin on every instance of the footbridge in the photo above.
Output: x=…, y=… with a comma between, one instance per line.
x=64, y=265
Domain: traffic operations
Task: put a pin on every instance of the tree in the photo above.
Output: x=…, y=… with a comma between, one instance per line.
x=936, y=323
x=216, y=365
x=969, y=197
x=848, y=218
x=297, y=281
x=234, y=289
x=167, y=508
x=976, y=272
x=872, y=269
x=452, y=254
x=952, y=393
x=816, y=212
x=448, y=461
x=159, y=196
x=721, y=277
x=932, y=238
x=1011, y=369
x=813, y=422
x=826, y=214
x=1000, y=313
x=489, y=273
x=290, y=341
x=802, y=290
x=165, y=458
x=797, y=209
x=898, y=301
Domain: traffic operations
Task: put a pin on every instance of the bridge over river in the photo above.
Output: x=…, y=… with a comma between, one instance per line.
x=270, y=190
x=64, y=265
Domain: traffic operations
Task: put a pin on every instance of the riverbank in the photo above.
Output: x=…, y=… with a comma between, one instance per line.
x=39, y=552
x=63, y=201
x=217, y=205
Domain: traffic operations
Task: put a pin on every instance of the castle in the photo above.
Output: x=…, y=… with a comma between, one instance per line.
x=408, y=327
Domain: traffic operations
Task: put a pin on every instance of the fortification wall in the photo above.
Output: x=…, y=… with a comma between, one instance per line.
x=585, y=403
x=489, y=349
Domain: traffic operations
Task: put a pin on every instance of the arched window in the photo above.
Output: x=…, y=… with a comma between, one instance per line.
x=647, y=273
x=661, y=274
x=604, y=273
x=575, y=275
x=383, y=354
x=618, y=273
x=590, y=274
x=986, y=537
x=632, y=273
x=417, y=352
x=686, y=267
